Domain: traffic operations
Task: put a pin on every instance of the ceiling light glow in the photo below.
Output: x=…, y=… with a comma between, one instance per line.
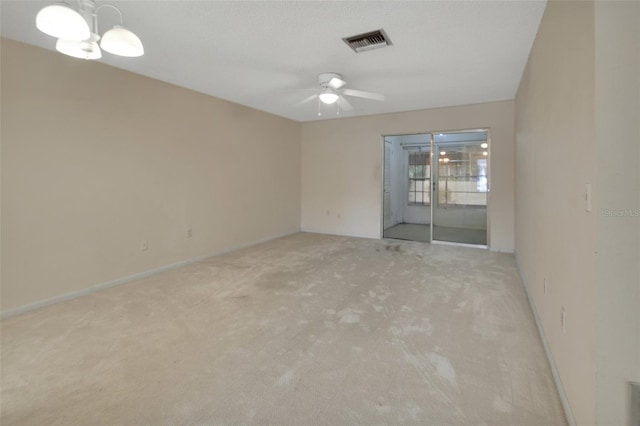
x=122, y=42
x=86, y=49
x=61, y=21
x=328, y=97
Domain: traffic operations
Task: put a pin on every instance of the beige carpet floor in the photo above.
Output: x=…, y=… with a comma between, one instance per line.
x=305, y=330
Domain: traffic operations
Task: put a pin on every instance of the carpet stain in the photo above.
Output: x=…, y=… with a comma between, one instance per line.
x=349, y=316
x=286, y=379
x=444, y=368
x=501, y=405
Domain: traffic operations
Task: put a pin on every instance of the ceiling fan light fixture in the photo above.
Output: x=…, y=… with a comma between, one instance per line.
x=331, y=92
x=85, y=49
x=61, y=21
x=122, y=42
x=328, y=97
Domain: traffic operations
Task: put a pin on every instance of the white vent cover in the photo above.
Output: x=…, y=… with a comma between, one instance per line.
x=368, y=41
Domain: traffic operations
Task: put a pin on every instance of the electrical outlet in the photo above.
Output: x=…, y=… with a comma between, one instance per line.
x=545, y=286
x=563, y=320
x=188, y=233
x=144, y=245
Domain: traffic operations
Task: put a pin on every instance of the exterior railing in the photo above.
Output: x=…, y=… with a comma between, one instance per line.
x=462, y=191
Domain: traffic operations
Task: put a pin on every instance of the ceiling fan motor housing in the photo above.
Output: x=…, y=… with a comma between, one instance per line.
x=325, y=77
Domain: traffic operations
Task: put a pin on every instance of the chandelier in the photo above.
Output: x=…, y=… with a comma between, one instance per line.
x=78, y=35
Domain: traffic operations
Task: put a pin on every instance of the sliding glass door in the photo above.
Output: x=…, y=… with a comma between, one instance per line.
x=436, y=187
x=460, y=187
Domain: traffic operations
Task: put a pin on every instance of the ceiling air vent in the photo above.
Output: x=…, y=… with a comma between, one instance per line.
x=368, y=41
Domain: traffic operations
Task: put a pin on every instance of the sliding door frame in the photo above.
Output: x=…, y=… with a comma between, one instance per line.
x=489, y=180
x=432, y=185
x=432, y=181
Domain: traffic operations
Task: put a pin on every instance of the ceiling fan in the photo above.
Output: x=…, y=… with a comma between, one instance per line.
x=331, y=91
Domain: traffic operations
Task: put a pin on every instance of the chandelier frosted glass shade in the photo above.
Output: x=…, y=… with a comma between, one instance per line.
x=61, y=21
x=85, y=49
x=122, y=42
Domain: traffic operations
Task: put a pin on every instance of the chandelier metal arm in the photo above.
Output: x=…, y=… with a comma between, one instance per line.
x=113, y=7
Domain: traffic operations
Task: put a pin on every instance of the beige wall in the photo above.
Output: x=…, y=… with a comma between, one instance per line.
x=342, y=167
x=617, y=84
x=555, y=159
x=96, y=159
x=577, y=114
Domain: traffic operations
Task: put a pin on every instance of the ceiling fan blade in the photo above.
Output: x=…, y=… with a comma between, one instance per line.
x=308, y=99
x=363, y=94
x=344, y=104
x=336, y=83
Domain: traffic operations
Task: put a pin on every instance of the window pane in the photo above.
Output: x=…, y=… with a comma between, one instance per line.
x=425, y=196
x=427, y=191
x=463, y=175
x=418, y=175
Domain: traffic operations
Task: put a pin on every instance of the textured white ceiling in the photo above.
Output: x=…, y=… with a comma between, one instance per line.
x=258, y=53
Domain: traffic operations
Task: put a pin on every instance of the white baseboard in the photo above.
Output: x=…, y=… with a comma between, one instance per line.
x=343, y=234
x=85, y=291
x=501, y=250
x=453, y=243
x=552, y=364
